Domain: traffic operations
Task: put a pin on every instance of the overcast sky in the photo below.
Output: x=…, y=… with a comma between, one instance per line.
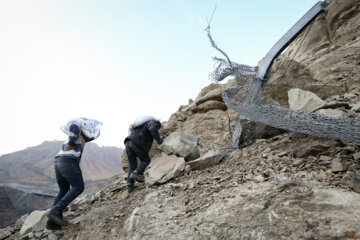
x=115, y=60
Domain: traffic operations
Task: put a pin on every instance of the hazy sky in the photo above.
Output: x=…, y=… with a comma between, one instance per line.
x=115, y=60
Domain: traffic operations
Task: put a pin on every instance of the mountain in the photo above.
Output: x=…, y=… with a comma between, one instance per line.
x=27, y=178
x=35, y=165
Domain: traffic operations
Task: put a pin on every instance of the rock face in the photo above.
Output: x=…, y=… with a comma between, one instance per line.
x=326, y=63
x=206, y=117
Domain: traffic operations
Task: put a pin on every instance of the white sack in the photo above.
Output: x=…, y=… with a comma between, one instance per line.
x=90, y=127
x=141, y=120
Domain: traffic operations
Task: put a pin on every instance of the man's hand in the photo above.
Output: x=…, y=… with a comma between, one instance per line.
x=160, y=141
x=68, y=148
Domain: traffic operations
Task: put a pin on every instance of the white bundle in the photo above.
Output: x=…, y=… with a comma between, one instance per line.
x=89, y=127
x=141, y=120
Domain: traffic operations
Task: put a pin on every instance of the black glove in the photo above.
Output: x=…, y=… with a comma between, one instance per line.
x=160, y=141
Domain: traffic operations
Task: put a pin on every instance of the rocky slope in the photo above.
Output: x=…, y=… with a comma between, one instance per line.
x=289, y=186
x=286, y=187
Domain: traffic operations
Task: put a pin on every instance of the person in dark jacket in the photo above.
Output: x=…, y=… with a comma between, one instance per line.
x=138, y=144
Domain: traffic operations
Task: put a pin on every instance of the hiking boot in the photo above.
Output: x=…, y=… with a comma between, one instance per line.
x=51, y=225
x=130, y=188
x=137, y=177
x=56, y=215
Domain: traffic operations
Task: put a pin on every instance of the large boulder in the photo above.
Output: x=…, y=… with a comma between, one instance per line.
x=304, y=100
x=35, y=222
x=181, y=144
x=164, y=168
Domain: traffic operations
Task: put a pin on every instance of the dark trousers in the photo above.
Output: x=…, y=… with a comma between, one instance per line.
x=68, y=174
x=132, y=152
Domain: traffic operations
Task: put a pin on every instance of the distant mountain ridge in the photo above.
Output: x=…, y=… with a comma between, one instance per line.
x=27, y=178
x=35, y=165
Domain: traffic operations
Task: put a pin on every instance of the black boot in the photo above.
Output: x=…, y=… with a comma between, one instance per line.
x=56, y=215
x=137, y=177
x=130, y=188
x=51, y=225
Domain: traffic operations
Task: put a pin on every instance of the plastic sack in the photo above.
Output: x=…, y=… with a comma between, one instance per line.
x=141, y=120
x=89, y=127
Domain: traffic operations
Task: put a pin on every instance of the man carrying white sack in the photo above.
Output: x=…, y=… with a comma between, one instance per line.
x=67, y=167
x=138, y=144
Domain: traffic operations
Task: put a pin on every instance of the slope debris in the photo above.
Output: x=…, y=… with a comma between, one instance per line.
x=286, y=187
